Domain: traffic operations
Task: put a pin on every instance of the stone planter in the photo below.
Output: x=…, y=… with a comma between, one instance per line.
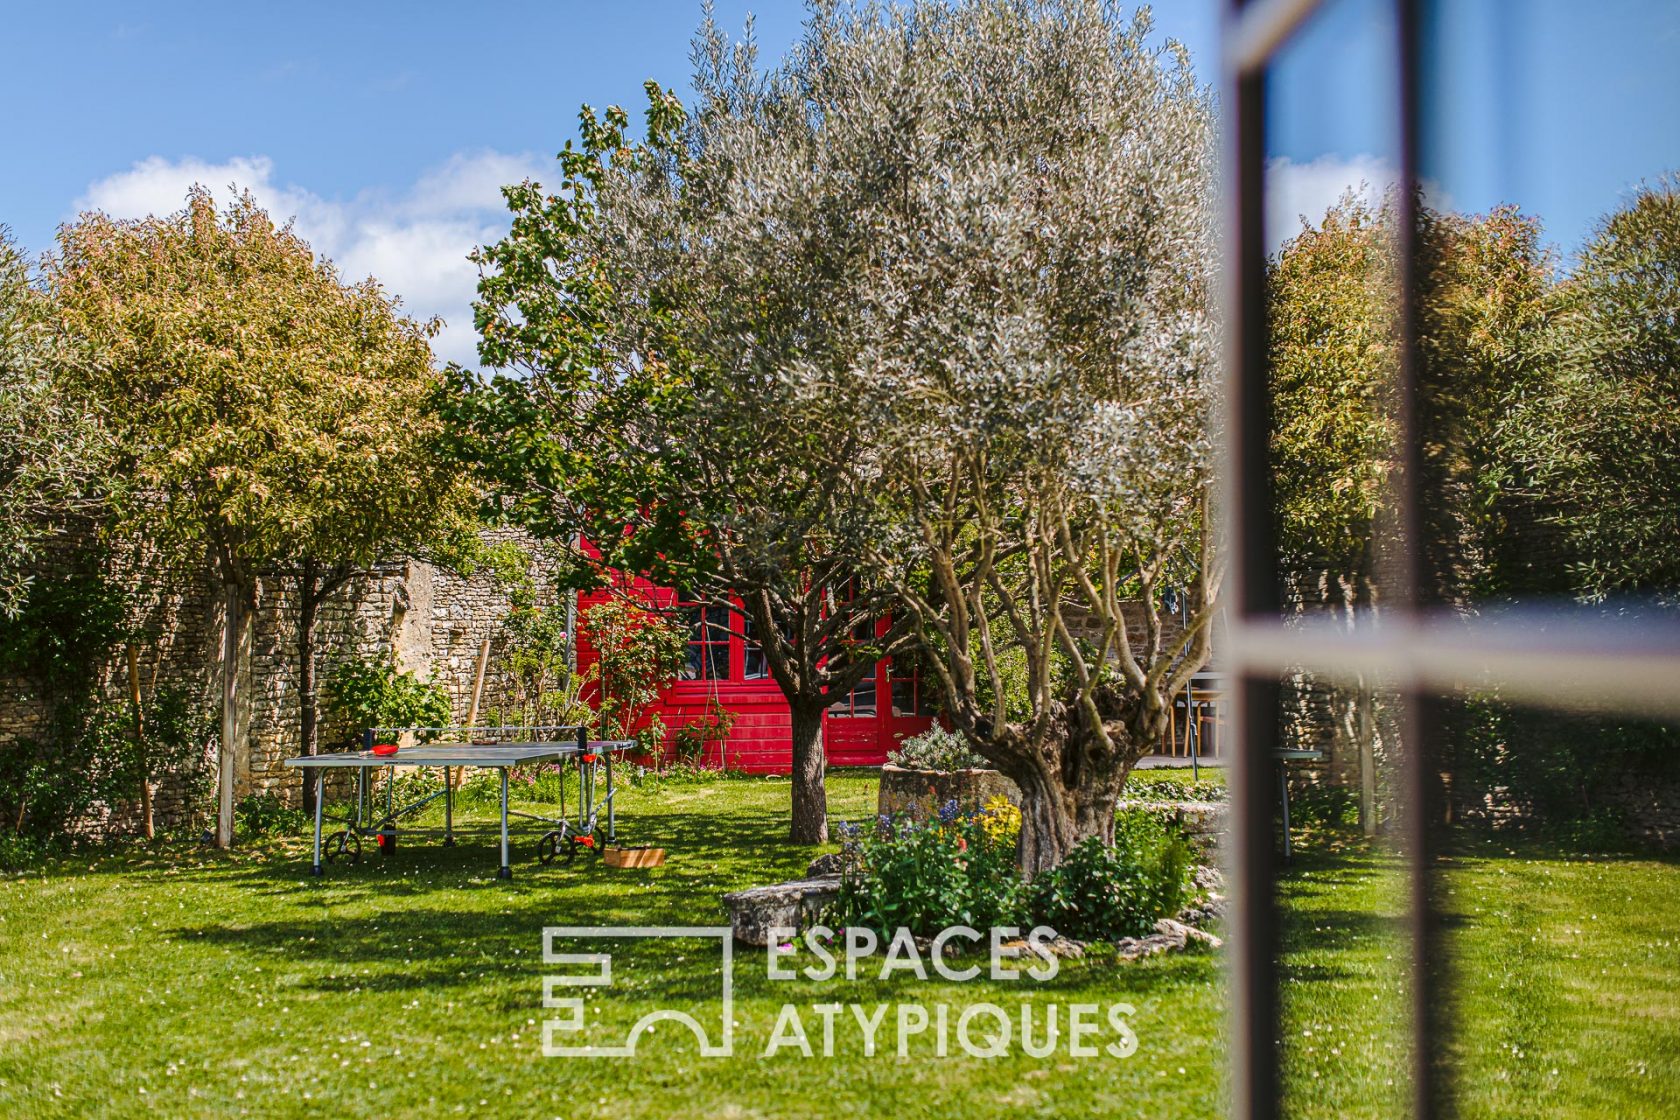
x=920, y=793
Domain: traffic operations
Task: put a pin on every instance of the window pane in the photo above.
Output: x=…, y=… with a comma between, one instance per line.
x=904, y=697
x=1560, y=898
x=863, y=698
x=1550, y=327
x=717, y=661
x=1333, y=358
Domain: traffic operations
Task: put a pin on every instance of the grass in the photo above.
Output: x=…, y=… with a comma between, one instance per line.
x=181, y=982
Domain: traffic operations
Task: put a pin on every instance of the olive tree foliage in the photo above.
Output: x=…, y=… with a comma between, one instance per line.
x=268, y=415
x=54, y=446
x=1601, y=443
x=657, y=314
x=1025, y=348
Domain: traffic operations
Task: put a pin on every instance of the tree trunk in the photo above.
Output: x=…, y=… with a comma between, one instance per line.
x=1055, y=817
x=308, y=717
x=1367, y=729
x=810, y=795
x=235, y=621
x=142, y=761
x=1069, y=790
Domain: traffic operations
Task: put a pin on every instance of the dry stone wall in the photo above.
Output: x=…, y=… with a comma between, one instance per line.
x=434, y=621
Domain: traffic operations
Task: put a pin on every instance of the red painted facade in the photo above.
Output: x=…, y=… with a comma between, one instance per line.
x=724, y=665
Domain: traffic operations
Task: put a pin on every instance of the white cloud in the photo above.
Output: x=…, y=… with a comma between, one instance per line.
x=1297, y=192
x=415, y=242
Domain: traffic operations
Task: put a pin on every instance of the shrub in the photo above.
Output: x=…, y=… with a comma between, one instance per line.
x=265, y=814
x=692, y=738
x=937, y=749
x=1100, y=892
x=1176, y=784
x=958, y=870
x=373, y=692
x=639, y=653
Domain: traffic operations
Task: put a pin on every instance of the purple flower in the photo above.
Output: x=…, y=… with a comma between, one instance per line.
x=949, y=811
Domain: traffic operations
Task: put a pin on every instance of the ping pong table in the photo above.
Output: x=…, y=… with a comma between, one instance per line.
x=479, y=747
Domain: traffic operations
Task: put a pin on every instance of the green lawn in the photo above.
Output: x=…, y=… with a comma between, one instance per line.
x=185, y=983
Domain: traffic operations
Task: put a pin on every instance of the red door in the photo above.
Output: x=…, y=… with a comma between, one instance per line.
x=852, y=731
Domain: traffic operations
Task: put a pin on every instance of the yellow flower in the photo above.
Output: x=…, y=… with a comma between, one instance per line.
x=1001, y=821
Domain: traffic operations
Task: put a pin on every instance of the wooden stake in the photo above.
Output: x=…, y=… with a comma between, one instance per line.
x=472, y=707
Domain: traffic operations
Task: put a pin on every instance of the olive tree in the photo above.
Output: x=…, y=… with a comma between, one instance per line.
x=1026, y=353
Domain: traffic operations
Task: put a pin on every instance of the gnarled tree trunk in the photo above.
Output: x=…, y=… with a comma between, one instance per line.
x=1070, y=783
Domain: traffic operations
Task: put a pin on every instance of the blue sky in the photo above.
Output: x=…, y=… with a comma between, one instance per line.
x=386, y=128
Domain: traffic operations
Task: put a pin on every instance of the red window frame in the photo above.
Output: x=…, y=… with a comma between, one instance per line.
x=709, y=640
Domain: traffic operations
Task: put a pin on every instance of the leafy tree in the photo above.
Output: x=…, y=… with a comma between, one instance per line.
x=654, y=327
x=1333, y=304
x=1333, y=337
x=1332, y=334
x=54, y=447
x=1601, y=442
x=267, y=413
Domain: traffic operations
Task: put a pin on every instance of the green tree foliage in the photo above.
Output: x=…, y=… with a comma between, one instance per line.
x=267, y=413
x=653, y=323
x=1601, y=441
x=1333, y=335
x=1333, y=355
x=54, y=446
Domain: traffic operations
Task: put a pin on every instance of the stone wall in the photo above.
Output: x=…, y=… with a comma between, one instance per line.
x=435, y=622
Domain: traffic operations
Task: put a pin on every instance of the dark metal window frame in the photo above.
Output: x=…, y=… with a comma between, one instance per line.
x=1559, y=662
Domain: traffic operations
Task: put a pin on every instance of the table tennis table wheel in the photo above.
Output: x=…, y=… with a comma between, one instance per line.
x=553, y=846
x=346, y=844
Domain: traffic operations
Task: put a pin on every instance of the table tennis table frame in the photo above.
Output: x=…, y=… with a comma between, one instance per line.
x=562, y=841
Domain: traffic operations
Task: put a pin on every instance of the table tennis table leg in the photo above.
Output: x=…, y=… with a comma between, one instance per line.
x=506, y=872
x=320, y=798
x=448, y=809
